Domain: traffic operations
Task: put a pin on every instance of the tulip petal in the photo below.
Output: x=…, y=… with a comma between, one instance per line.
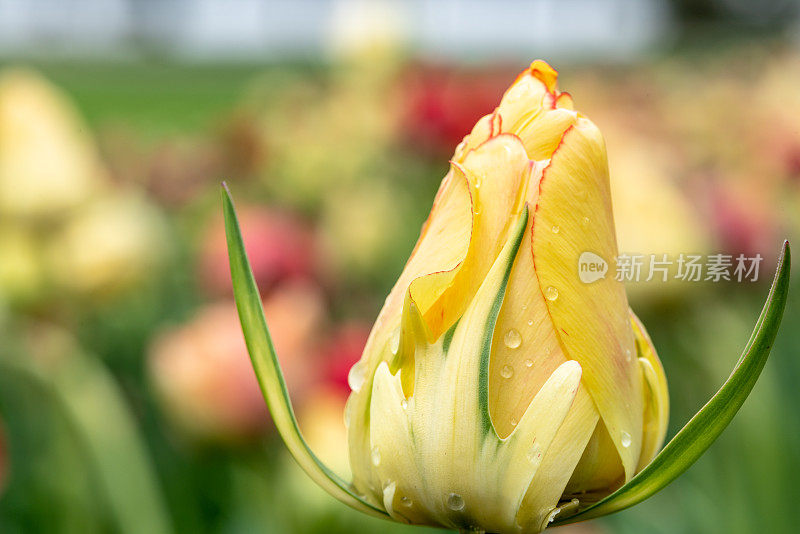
x=534, y=435
x=267, y=368
x=656, y=410
x=573, y=215
x=441, y=248
x=525, y=349
x=450, y=385
x=393, y=439
x=707, y=424
x=558, y=463
x=542, y=135
x=496, y=192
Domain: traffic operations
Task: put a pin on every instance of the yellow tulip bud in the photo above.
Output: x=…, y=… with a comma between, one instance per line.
x=496, y=386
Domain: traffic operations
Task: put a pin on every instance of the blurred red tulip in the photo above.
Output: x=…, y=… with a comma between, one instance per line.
x=743, y=219
x=279, y=244
x=203, y=374
x=442, y=104
x=342, y=350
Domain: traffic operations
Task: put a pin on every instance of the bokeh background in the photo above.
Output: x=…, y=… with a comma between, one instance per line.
x=127, y=401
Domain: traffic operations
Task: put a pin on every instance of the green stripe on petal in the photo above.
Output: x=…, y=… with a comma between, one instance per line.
x=268, y=371
x=701, y=431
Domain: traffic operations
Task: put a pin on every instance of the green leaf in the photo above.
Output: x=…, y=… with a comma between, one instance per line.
x=701, y=431
x=85, y=410
x=268, y=371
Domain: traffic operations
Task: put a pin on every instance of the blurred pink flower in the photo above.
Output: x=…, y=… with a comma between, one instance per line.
x=742, y=218
x=279, y=244
x=202, y=372
x=342, y=350
x=442, y=104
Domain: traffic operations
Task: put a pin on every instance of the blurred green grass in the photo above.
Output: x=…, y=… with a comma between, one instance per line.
x=161, y=98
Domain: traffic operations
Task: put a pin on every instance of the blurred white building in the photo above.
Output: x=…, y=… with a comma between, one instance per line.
x=263, y=29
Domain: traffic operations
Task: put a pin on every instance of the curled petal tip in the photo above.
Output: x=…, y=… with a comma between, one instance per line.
x=546, y=74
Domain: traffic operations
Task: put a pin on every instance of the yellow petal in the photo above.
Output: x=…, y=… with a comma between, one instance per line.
x=559, y=462
x=599, y=470
x=496, y=191
x=487, y=127
x=442, y=245
x=656, y=407
x=542, y=134
x=573, y=215
x=525, y=347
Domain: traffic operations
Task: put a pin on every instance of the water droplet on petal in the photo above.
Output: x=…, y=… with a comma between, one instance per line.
x=405, y=501
x=404, y=404
x=394, y=341
x=585, y=222
x=556, y=229
x=357, y=375
x=455, y=502
x=524, y=307
x=513, y=339
x=513, y=421
x=627, y=355
x=530, y=322
x=376, y=457
x=626, y=439
x=507, y=371
x=528, y=363
x=551, y=293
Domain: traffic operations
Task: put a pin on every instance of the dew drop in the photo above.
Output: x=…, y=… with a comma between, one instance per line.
x=357, y=375
x=627, y=355
x=394, y=341
x=404, y=404
x=455, y=502
x=524, y=307
x=585, y=222
x=513, y=339
x=626, y=439
x=513, y=421
x=405, y=501
x=551, y=293
x=507, y=371
x=530, y=322
x=528, y=363
x=556, y=229
x=376, y=457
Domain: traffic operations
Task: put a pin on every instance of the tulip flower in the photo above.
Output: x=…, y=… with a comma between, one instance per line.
x=500, y=391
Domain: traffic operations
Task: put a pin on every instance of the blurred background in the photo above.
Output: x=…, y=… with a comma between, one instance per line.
x=127, y=401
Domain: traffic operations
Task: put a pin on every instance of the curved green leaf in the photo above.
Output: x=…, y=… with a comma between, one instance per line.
x=268, y=371
x=701, y=431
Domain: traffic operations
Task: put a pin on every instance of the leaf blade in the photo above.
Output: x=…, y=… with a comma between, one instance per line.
x=267, y=369
x=707, y=424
